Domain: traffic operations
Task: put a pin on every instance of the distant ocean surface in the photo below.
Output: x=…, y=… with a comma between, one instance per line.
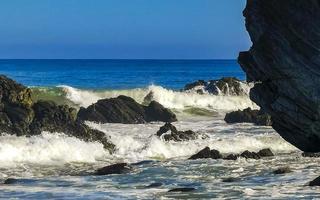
x=117, y=74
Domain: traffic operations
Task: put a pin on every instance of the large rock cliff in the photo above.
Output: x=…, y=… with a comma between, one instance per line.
x=284, y=62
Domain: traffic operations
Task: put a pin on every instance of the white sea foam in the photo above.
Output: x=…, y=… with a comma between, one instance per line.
x=48, y=148
x=168, y=98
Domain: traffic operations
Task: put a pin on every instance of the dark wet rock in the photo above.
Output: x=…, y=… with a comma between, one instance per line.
x=154, y=185
x=119, y=168
x=182, y=190
x=249, y=116
x=230, y=180
x=170, y=133
x=156, y=112
x=125, y=110
x=282, y=170
x=206, y=153
x=284, y=63
x=9, y=181
x=250, y=155
x=265, y=153
x=315, y=182
x=311, y=155
x=223, y=86
x=231, y=157
x=195, y=85
x=19, y=115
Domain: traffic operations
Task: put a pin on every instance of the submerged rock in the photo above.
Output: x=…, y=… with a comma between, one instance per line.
x=282, y=170
x=119, y=168
x=125, y=110
x=249, y=116
x=19, y=115
x=182, y=189
x=154, y=185
x=206, y=153
x=315, y=182
x=284, y=63
x=223, y=86
x=170, y=133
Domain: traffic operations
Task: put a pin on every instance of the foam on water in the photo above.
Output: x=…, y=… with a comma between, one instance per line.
x=48, y=148
x=168, y=98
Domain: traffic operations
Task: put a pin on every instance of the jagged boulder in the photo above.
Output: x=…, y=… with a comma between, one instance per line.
x=170, y=133
x=223, y=86
x=19, y=115
x=125, y=110
x=206, y=153
x=249, y=116
x=284, y=63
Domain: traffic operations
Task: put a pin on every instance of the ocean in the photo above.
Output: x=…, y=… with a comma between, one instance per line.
x=55, y=166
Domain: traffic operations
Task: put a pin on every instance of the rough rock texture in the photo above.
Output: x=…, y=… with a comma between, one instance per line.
x=223, y=86
x=284, y=62
x=125, y=110
x=19, y=115
x=249, y=116
x=206, y=153
x=170, y=133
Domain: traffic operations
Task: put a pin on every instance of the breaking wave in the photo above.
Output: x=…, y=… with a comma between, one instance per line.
x=176, y=100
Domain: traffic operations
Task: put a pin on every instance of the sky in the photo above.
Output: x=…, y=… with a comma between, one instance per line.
x=122, y=29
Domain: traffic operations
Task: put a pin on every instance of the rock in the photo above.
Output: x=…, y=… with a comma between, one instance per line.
x=170, y=133
x=206, y=153
x=19, y=115
x=156, y=112
x=284, y=64
x=119, y=168
x=154, y=185
x=182, y=190
x=315, y=182
x=231, y=157
x=311, y=155
x=230, y=180
x=248, y=116
x=11, y=181
x=282, y=170
x=223, y=86
x=250, y=155
x=125, y=110
x=265, y=153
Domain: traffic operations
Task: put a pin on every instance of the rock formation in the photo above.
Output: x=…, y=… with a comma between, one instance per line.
x=284, y=63
x=19, y=115
x=249, y=116
x=223, y=86
x=125, y=110
x=170, y=133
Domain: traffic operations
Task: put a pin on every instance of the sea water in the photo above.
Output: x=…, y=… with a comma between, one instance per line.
x=55, y=166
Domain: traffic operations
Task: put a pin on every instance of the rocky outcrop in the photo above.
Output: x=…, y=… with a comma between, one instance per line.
x=249, y=116
x=19, y=115
x=125, y=110
x=284, y=63
x=206, y=153
x=224, y=86
x=170, y=133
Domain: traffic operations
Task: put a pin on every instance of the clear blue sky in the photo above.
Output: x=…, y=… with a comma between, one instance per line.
x=159, y=29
